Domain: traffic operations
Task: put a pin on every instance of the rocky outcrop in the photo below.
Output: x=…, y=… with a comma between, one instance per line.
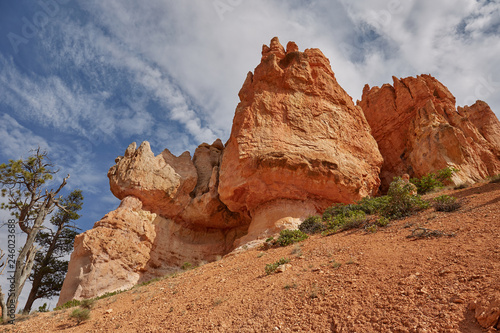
x=177, y=188
x=419, y=130
x=170, y=214
x=298, y=143
x=112, y=255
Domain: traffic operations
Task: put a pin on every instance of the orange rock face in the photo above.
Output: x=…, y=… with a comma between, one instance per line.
x=297, y=142
x=131, y=245
x=112, y=255
x=419, y=130
x=170, y=214
x=178, y=188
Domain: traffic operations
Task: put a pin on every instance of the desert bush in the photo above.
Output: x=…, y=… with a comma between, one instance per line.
x=74, y=302
x=382, y=221
x=288, y=237
x=87, y=303
x=68, y=304
x=343, y=217
x=433, y=181
x=80, y=315
x=43, y=308
x=446, y=203
x=187, y=265
x=312, y=225
x=109, y=294
x=271, y=268
x=339, y=209
x=353, y=220
x=444, y=175
x=401, y=202
x=371, y=205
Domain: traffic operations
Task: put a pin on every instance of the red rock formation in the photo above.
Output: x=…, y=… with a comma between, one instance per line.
x=176, y=188
x=298, y=143
x=418, y=131
x=170, y=214
x=112, y=255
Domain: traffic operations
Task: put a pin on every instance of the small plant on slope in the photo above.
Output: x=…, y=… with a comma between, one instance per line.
x=401, y=202
x=344, y=217
x=446, y=203
x=80, y=315
x=271, y=268
x=312, y=225
x=288, y=237
x=433, y=181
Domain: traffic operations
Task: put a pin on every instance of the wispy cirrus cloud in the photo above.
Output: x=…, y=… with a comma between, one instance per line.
x=16, y=139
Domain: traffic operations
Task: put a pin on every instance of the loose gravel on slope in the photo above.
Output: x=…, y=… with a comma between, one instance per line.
x=349, y=282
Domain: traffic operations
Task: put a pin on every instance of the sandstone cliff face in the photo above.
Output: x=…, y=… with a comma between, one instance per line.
x=298, y=143
x=419, y=130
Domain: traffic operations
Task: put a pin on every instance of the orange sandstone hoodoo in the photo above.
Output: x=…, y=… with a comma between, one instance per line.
x=298, y=143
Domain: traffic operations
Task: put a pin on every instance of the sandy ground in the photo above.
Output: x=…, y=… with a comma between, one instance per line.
x=349, y=282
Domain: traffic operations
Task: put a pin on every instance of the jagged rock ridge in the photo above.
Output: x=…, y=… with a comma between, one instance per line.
x=419, y=130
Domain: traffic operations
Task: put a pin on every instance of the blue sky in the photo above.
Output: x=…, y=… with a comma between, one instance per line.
x=84, y=79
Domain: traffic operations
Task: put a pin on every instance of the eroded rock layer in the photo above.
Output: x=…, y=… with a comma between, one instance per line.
x=297, y=141
x=419, y=130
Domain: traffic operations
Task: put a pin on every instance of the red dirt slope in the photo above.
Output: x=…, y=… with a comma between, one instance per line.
x=386, y=283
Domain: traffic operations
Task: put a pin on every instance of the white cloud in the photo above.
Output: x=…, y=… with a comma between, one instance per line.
x=74, y=157
x=16, y=139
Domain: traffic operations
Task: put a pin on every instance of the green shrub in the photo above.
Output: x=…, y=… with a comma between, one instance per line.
x=371, y=205
x=185, y=266
x=288, y=237
x=68, y=304
x=87, y=303
x=382, y=221
x=271, y=268
x=339, y=209
x=80, y=315
x=353, y=220
x=444, y=175
x=43, y=308
x=344, y=217
x=109, y=294
x=433, y=181
x=401, y=202
x=446, y=203
x=312, y=225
